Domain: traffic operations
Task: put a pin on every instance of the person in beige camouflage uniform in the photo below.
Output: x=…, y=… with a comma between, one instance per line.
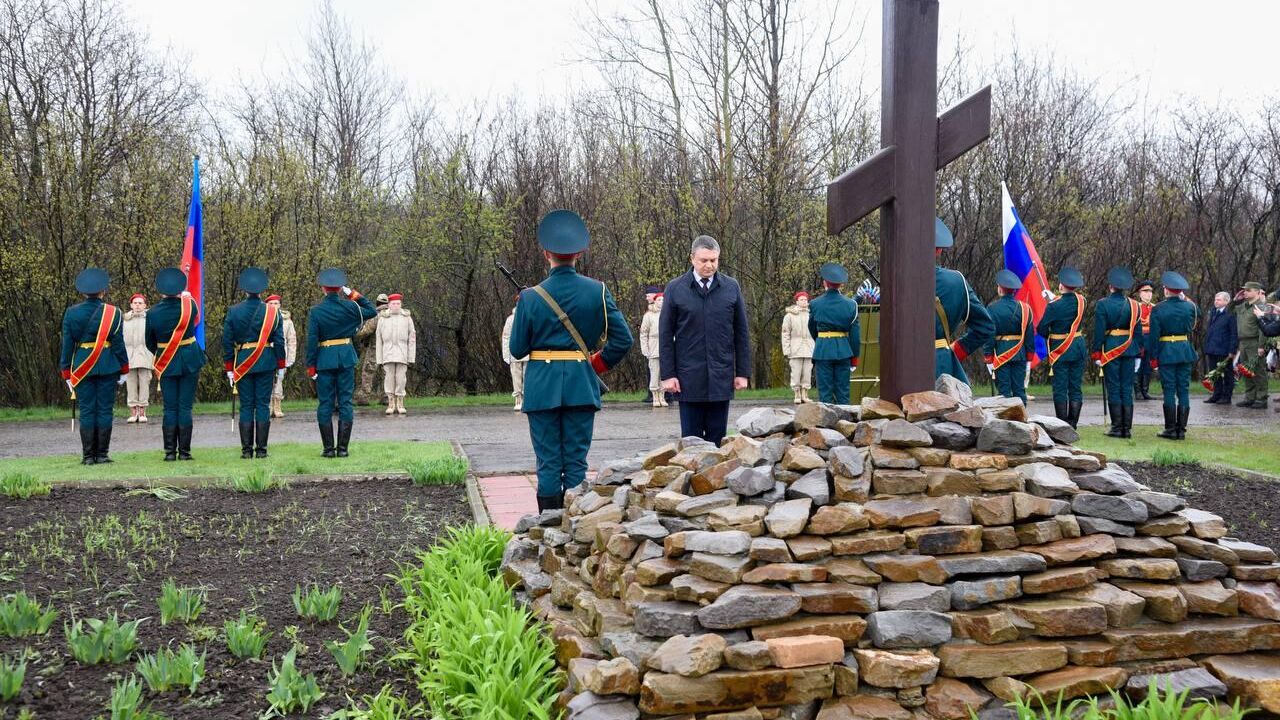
x=140, y=359
x=290, y=355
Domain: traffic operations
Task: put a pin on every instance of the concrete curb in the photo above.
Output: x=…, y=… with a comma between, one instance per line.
x=479, y=514
x=1244, y=473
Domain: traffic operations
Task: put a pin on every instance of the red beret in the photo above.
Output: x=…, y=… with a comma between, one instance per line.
x=801, y=294
x=657, y=295
x=273, y=297
x=135, y=296
x=393, y=296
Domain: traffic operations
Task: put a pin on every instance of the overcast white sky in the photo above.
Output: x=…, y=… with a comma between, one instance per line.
x=458, y=51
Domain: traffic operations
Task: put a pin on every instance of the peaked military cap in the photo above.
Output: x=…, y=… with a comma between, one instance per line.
x=92, y=281
x=834, y=273
x=1251, y=285
x=1070, y=277
x=1007, y=280
x=1173, y=281
x=1120, y=278
x=562, y=232
x=253, y=280
x=331, y=277
x=171, y=281
x=1144, y=284
x=942, y=237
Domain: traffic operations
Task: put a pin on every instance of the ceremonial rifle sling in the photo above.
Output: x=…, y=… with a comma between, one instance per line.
x=268, y=324
x=1012, y=352
x=573, y=331
x=81, y=371
x=1120, y=349
x=175, y=339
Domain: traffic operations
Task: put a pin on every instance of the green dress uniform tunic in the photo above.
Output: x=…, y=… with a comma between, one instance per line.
x=96, y=392
x=331, y=357
x=1013, y=329
x=1249, y=333
x=958, y=304
x=180, y=376
x=240, y=334
x=833, y=323
x=1068, y=369
x=561, y=389
x=1170, y=350
x=1117, y=322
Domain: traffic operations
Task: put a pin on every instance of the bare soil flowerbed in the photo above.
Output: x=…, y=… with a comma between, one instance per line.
x=94, y=551
x=1251, y=508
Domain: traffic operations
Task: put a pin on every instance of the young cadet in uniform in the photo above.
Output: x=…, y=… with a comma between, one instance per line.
x=290, y=355
x=797, y=347
x=1013, y=345
x=1170, y=351
x=955, y=303
x=553, y=323
x=138, y=385
x=171, y=337
x=1117, y=343
x=515, y=365
x=1060, y=325
x=253, y=356
x=331, y=358
x=833, y=323
x=1142, y=378
x=94, y=361
x=650, y=348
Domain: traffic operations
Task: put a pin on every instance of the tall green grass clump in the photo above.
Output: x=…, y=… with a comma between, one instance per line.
x=168, y=670
x=246, y=637
x=258, y=480
x=104, y=641
x=438, y=471
x=22, y=485
x=291, y=690
x=126, y=702
x=12, y=672
x=182, y=604
x=21, y=616
x=315, y=604
x=1159, y=704
x=1165, y=457
x=474, y=653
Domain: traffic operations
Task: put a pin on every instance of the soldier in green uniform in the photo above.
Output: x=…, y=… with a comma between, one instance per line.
x=171, y=337
x=553, y=323
x=253, y=353
x=1252, y=352
x=1117, y=343
x=1171, y=354
x=1061, y=324
x=1013, y=345
x=955, y=303
x=332, y=323
x=94, y=361
x=833, y=323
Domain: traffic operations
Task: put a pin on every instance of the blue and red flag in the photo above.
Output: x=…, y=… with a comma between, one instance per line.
x=1021, y=258
x=193, y=249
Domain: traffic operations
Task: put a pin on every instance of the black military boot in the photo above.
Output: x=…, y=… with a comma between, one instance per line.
x=184, y=442
x=88, y=439
x=1146, y=388
x=102, y=445
x=546, y=502
x=246, y=441
x=1126, y=412
x=1060, y=411
x=1183, y=412
x=1117, y=420
x=1073, y=410
x=170, y=435
x=1170, y=423
x=344, y=437
x=326, y=438
x=261, y=432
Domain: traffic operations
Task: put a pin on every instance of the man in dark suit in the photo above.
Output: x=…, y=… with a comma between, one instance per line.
x=703, y=342
x=1220, y=341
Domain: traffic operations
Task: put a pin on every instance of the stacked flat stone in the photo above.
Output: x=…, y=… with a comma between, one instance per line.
x=878, y=561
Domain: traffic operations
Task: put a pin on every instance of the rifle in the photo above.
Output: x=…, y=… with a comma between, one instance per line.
x=870, y=273
x=509, y=275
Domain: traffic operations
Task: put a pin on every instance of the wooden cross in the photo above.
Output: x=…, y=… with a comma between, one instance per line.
x=899, y=179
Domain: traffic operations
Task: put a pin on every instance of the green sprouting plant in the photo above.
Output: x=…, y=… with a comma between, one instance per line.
x=450, y=470
x=21, y=616
x=258, y=480
x=1159, y=704
x=23, y=485
x=315, y=604
x=107, y=641
x=350, y=654
x=12, y=672
x=1165, y=457
x=167, y=670
x=383, y=706
x=290, y=689
x=164, y=493
x=245, y=636
x=177, y=603
x=126, y=702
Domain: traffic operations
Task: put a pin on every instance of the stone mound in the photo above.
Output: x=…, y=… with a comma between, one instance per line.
x=879, y=561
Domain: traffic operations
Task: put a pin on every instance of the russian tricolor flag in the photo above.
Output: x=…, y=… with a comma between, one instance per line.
x=1021, y=258
x=193, y=249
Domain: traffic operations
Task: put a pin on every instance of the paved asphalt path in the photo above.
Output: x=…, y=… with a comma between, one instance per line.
x=495, y=438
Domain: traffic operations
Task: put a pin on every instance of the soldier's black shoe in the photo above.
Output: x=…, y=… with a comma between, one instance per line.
x=102, y=445
x=1183, y=413
x=184, y=443
x=87, y=438
x=326, y=438
x=246, y=441
x=170, y=435
x=261, y=432
x=344, y=438
x=546, y=502
x=1170, y=423
x=1117, y=420
x=1073, y=410
x=1060, y=411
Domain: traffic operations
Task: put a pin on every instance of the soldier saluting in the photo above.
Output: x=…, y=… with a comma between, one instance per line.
x=94, y=361
x=253, y=349
x=562, y=391
x=331, y=358
x=171, y=337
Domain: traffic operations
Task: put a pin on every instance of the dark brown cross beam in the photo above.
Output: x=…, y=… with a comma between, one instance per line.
x=900, y=180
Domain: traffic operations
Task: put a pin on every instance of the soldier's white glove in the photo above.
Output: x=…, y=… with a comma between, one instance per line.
x=186, y=294
x=70, y=388
x=231, y=378
x=280, y=374
x=1098, y=363
x=122, y=379
x=346, y=291
x=991, y=370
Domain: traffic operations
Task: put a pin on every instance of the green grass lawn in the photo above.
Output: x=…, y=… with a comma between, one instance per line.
x=1249, y=447
x=367, y=456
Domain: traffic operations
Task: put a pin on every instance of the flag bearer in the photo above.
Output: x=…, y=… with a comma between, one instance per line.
x=94, y=361
x=833, y=324
x=332, y=323
x=1013, y=345
x=1117, y=343
x=253, y=356
x=171, y=338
